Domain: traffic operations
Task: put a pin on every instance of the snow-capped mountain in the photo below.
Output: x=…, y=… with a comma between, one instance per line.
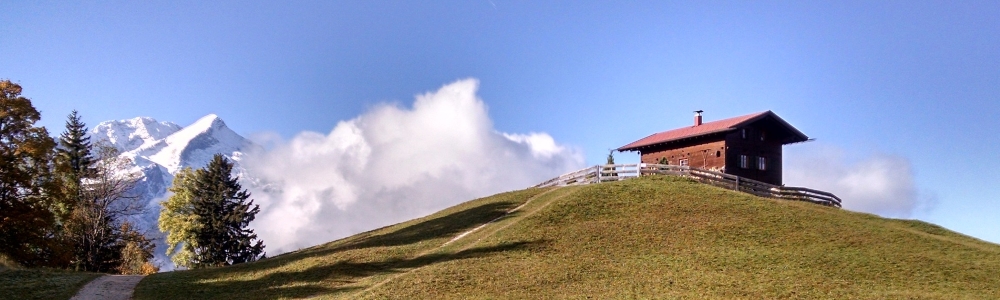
x=161, y=149
x=128, y=135
x=170, y=146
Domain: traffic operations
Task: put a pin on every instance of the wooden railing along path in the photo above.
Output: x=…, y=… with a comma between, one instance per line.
x=603, y=173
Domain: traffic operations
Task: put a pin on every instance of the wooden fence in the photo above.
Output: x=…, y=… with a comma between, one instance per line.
x=604, y=173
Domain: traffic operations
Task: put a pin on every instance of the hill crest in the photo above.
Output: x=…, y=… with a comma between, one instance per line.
x=657, y=236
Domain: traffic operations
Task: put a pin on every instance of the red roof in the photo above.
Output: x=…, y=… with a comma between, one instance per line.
x=704, y=129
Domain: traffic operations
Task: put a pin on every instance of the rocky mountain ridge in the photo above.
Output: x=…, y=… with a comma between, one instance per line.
x=158, y=150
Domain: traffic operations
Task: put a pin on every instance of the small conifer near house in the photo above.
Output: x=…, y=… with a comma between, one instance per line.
x=609, y=168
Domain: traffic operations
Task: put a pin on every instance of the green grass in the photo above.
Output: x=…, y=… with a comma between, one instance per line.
x=655, y=237
x=339, y=267
x=19, y=283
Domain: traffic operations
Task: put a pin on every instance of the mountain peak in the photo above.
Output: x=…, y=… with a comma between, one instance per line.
x=160, y=149
x=195, y=144
x=130, y=134
x=209, y=121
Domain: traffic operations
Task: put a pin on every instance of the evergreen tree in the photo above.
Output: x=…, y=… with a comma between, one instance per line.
x=74, y=146
x=26, y=185
x=221, y=205
x=74, y=164
x=609, y=168
x=209, y=214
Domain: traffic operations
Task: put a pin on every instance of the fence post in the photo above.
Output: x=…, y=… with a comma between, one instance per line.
x=598, y=169
x=737, y=187
x=599, y=175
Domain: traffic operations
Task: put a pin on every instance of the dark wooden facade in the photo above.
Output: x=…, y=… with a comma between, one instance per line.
x=746, y=146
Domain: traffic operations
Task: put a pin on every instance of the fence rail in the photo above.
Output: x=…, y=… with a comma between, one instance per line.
x=604, y=173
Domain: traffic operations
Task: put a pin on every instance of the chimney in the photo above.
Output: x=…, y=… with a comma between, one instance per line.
x=697, y=117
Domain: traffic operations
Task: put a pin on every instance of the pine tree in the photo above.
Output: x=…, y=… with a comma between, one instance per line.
x=210, y=214
x=26, y=185
x=74, y=164
x=74, y=146
x=609, y=167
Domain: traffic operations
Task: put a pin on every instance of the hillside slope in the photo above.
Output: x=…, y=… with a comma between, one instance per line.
x=650, y=237
x=17, y=282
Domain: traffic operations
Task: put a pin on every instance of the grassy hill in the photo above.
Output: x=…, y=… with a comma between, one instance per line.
x=654, y=237
x=20, y=283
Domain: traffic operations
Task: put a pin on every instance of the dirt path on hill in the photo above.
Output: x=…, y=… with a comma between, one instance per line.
x=363, y=293
x=110, y=287
x=460, y=236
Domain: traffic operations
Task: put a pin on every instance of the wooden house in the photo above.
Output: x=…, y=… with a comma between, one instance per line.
x=746, y=146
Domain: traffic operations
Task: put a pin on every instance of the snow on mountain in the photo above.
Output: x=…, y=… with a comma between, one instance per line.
x=131, y=134
x=195, y=145
x=159, y=150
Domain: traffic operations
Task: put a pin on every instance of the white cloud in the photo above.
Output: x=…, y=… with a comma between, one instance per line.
x=882, y=184
x=393, y=164
x=542, y=145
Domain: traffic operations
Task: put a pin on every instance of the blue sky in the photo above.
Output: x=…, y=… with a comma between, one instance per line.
x=917, y=81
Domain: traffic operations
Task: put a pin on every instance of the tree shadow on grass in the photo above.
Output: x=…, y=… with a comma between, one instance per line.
x=323, y=280
x=445, y=226
x=440, y=227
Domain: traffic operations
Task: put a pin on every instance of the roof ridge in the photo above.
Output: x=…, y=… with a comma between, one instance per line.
x=707, y=128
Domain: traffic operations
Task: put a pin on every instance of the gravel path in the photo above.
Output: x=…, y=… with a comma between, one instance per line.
x=110, y=287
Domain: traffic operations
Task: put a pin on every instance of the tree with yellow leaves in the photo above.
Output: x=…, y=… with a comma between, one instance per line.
x=26, y=151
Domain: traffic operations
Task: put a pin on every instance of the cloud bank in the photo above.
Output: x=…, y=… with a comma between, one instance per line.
x=880, y=183
x=393, y=164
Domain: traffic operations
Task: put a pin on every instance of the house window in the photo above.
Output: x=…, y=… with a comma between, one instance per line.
x=744, y=133
x=762, y=136
x=761, y=164
x=744, y=162
x=684, y=162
